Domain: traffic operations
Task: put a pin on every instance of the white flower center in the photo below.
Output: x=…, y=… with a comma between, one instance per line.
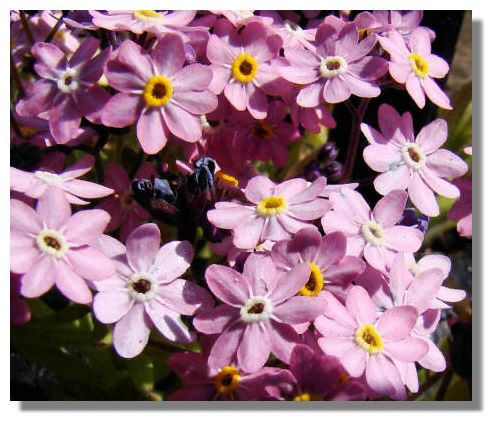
x=373, y=233
x=211, y=126
x=52, y=242
x=333, y=66
x=52, y=179
x=142, y=286
x=256, y=309
x=292, y=28
x=413, y=156
x=68, y=81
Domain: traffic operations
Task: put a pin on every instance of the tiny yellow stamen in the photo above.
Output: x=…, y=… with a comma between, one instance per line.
x=158, y=91
x=316, y=282
x=418, y=64
x=26, y=131
x=271, y=205
x=227, y=380
x=368, y=338
x=147, y=15
x=226, y=178
x=262, y=130
x=304, y=396
x=244, y=68
x=344, y=378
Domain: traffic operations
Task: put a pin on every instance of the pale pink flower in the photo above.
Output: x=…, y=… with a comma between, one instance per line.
x=403, y=21
x=462, y=210
x=146, y=290
x=415, y=66
x=338, y=69
x=259, y=307
x=368, y=342
x=50, y=246
x=239, y=18
x=276, y=212
x=159, y=92
x=417, y=164
x=241, y=64
x=35, y=184
x=285, y=25
x=374, y=234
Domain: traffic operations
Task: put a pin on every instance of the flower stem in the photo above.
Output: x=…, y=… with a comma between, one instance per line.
x=56, y=27
x=25, y=27
x=357, y=117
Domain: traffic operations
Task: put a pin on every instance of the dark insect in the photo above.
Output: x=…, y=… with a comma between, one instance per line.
x=184, y=200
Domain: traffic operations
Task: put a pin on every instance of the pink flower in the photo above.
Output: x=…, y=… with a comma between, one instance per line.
x=50, y=246
x=372, y=233
x=324, y=255
x=140, y=21
x=241, y=65
x=368, y=343
x=416, y=164
x=36, y=184
x=159, y=92
x=265, y=139
x=67, y=90
x=146, y=291
x=259, y=306
x=19, y=309
x=337, y=69
x=405, y=22
x=122, y=207
x=276, y=211
x=462, y=210
x=291, y=33
x=415, y=66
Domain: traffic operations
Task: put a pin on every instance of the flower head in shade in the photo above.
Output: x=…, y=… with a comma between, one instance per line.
x=146, y=290
x=339, y=68
x=417, y=164
x=324, y=255
x=68, y=89
x=318, y=377
x=372, y=233
x=35, y=184
x=415, y=66
x=122, y=207
x=259, y=307
x=19, y=309
x=462, y=210
x=241, y=65
x=50, y=246
x=370, y=343
x=159, y=92
x=276, y=212
x=230, y=383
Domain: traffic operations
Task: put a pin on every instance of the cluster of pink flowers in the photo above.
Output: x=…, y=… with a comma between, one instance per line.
x=315, y=293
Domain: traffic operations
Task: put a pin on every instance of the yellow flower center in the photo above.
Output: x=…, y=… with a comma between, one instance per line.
x=158, y=91
x=226, y=178
x=244, y=68
x=418, y=65
x=315, y=284
x=262, y=130
x=368, y=338
x=304, y=396
x=52, y=242
x=147, y=15
x=271, y=205
x=227, y=380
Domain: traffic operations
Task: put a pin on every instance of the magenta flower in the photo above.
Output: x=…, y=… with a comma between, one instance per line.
x=265, y=139
x=140, y=21
x=159, y=92
x=462, y=210
x=415, y=66
x=122, y=207
x=259, y=307
x=368, y=342
x=203, y=383
x=19, y=309
x=67, y=90
x=339, y=68
x=324, y=255
x=277, y=211
x=35, y=184
x=50, y=246
x=416, y=164
x=374, y=234
x=241, y=65
x=146, y=291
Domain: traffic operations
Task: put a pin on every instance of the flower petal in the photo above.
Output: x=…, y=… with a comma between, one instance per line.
x=131, y=332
